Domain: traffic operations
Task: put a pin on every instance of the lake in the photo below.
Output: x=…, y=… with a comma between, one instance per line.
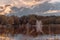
x=24, y=37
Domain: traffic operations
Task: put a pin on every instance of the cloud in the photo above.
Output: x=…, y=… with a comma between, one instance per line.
x=5, y=9
x=27, y=3
x=38, y=9
x=52, y=11
x=22, y=3
x=23, y=7
x=54, y=1
x=41, y=9
x=18, y=3
x=5, y=2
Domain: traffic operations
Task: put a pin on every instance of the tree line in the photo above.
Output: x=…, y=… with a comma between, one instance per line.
x=17, y=25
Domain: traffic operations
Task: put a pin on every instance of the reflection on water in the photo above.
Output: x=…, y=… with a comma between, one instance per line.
x=5, y=38
x=24, y=37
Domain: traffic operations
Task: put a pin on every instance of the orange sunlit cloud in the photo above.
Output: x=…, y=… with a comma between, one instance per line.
x=18, y=3
x=33, y=2
x=5, y=9
x=52, y=11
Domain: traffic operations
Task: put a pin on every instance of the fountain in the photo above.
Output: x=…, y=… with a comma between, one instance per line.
x=39, y=26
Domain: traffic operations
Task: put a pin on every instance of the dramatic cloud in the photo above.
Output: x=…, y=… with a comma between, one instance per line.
x=29, y=3
x=5, y=9
x=26, y=6
x=17, y=3
x=20, y=3
x=41, y=8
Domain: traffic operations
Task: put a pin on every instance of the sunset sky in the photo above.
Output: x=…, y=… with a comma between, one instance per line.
x=24, y=2
x=6, y=5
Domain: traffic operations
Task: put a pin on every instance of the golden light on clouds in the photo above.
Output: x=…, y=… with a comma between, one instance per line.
x=5, y=9
x=52, y=11
x=19, y=3
x=27, y=3
x=32, y=2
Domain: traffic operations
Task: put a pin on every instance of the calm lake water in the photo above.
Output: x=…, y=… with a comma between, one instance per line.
x=24, y=37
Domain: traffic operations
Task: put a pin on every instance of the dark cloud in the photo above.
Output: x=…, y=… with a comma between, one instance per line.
x=56, y=6
x=37, y=9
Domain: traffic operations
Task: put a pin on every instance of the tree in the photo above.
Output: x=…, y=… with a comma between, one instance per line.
x=3, y=19
x=32, y=20
x=16, y=20
x=23, y=20
x=10, y=20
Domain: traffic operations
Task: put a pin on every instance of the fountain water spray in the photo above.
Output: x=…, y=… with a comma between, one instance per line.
x=39, y=26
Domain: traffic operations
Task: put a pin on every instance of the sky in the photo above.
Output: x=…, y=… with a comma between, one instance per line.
x=53, y=1
x=24, y=2
x=6, y=5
